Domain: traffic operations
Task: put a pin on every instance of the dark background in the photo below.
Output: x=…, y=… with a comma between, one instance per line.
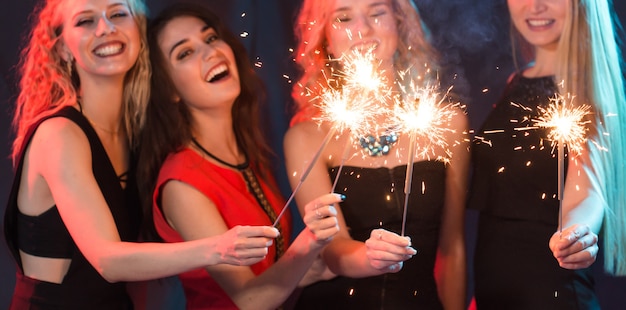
x=471, y=35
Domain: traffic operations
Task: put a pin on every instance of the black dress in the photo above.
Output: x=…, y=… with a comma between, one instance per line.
x=514, y=186
x=375, y=199
x=82, y=287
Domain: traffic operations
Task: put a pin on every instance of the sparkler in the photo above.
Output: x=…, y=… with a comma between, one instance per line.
x=422, y=115
x=351, y=108
x=567, y=128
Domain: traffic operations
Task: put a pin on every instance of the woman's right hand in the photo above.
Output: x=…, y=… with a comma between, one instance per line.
x=320, y=217
x=245, y=245
x=387, y=250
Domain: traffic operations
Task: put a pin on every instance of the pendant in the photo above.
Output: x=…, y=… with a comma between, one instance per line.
x=378, y=147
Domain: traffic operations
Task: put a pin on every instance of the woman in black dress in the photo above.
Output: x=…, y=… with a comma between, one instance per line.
x=515, y=184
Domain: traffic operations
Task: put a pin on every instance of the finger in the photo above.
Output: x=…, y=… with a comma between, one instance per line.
x=586, y=255
x=257, y=231
x=579, y=245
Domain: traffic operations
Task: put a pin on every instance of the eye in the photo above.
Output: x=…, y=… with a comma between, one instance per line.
x=119, y=14
x=211, y=38
x=83, y=22
x=183, y=54
x=378, y=13
x=343, y=18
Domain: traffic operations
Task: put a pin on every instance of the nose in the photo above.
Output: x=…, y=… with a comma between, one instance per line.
x=537, y=6
x=362, y=26
x=208, y=51
x=105, y=26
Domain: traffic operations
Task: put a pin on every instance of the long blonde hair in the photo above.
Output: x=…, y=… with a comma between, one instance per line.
x=49, y=83
x=413, y=51
x=588, y=67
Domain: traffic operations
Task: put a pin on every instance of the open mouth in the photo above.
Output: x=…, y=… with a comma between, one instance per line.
x=536, y=23
x=218, y=73
x=110, y=49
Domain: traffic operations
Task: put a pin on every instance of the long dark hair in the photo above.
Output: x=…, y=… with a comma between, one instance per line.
x=167, y=123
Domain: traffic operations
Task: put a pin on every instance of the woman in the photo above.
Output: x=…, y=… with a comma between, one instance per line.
x=73, y=211
x=368, y=255
x=572, y=48
x=203, y=132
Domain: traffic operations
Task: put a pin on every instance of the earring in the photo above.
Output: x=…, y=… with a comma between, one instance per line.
x=69, y=65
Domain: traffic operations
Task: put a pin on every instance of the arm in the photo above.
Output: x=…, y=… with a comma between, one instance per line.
x=583, y=210
x=344, y=256
x=195, y=216
x=61, y=156
x=450, y=269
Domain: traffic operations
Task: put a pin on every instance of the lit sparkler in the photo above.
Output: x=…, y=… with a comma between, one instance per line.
x=351, y=108
x=422, y=114
x=567, y=123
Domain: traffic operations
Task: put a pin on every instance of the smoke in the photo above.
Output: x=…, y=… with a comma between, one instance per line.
x=472, y=37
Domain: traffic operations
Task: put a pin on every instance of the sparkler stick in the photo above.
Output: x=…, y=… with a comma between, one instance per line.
x=422, y=115
x=330, y=134
x=343, y=160
x=568, y=128
x=408, y=181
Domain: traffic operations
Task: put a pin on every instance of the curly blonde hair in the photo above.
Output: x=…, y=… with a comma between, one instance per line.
x=49, y=83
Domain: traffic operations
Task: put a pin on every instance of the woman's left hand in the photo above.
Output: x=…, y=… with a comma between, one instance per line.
x=575, y=247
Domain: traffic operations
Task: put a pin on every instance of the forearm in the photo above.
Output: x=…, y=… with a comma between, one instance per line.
x=271, y=288
x=123, y=261
x=451, y=280
x=589, y=211
x=348, y=258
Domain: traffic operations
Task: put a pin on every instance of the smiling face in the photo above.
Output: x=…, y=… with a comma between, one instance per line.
x=540, y=22
x=101, y=36
x=201, y=65
x=362, y=25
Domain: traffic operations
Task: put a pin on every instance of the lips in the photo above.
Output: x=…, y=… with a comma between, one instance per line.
x=109, y=49
x=539, y=23
x=365, y=46
x=217, y=73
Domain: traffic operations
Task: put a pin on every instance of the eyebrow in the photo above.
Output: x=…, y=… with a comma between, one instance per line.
x=347, y=8
x=112, y=5
x=183, y=41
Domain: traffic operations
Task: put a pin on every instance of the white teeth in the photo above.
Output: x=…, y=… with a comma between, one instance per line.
x=217, y=70
x=108, y=50
x=539, y=22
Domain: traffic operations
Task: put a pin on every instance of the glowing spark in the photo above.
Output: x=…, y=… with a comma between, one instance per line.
x=567, y=122
x=422, y=114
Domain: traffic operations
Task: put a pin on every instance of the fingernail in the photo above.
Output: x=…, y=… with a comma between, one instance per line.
x=342, y=197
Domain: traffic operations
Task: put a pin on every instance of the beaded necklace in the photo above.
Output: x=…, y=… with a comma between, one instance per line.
x=381, y=146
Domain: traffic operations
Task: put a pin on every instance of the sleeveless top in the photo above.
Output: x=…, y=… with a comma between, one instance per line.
x=229, y=192
x=82, y=286
x=514, y=186
x=375, y=199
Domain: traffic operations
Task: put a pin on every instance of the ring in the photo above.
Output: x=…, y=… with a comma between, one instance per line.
x=317, y=212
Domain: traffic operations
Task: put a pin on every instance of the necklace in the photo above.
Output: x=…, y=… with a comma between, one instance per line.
x=255, y=188
x=239, y=167
x=381, y=146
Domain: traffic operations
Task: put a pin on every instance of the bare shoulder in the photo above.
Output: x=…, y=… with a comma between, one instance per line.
x=304, y=133
x=59, y=142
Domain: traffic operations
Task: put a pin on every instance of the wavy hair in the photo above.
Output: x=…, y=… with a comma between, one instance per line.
x=46, y=85
x=167, y=126
x=413, y=54
x=588, y=67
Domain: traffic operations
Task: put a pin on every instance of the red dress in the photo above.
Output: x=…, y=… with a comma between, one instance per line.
x=228, y=190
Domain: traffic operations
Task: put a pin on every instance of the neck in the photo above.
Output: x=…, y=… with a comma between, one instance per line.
x=545, y=62
x=214, y=132
x=102, y=103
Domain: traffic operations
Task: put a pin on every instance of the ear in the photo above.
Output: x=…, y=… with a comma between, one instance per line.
x=63, y=51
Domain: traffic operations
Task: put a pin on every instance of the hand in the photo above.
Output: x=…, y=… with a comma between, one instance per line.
x=320, y=217
x=575, y=248
x=386, y=250
x=245, y=245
